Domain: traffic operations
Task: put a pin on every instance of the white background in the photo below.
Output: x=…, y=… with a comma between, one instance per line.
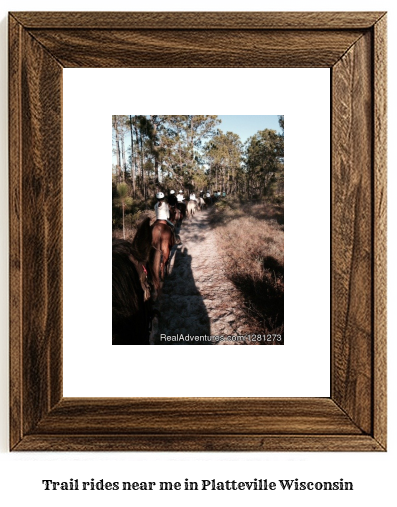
x=289, y=370
x=372, y=474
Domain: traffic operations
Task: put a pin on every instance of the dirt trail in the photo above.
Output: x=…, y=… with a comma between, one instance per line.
x=197, y=298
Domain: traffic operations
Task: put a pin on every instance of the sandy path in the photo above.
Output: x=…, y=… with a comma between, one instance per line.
x=197, y=299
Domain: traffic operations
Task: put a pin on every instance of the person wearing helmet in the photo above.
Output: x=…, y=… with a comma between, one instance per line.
x=172, y=200
x=193, y=197
x=172, y=203
x=162, y=210
x=181, y=205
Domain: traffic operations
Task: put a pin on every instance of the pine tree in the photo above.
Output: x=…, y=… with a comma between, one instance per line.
x=123, y=200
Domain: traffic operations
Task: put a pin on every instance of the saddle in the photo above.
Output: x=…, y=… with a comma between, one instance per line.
x=142, y=274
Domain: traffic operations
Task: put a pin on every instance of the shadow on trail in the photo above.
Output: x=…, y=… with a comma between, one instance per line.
x=181, y=306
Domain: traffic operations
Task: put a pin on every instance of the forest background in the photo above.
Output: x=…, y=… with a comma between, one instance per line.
x=191, y=153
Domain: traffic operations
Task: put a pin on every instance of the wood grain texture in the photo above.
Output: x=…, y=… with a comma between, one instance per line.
x=200, y=20
x=36, y=242
x=352, y=233
x=229, y=416
x=199, y=443
x=354, y=45
x=196, y=48
x=380, y=229
x=15, y=227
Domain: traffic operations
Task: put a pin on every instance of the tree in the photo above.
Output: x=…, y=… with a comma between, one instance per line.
x=224, y=156
x=263, y=161
x=116, y=148
x=123, y=200
x=133, y=159
x=281, y=147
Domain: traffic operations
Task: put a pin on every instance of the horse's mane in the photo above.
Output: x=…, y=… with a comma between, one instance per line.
x=142, y=242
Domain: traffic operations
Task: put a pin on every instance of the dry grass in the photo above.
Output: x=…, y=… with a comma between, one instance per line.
x=251, y=242
x=131, y=223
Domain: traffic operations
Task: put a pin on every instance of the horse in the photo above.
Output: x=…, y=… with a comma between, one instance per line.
x=182, y=208
x=175, y=214
x=191, y=208
x=131, y=304
x=202, y=203
x=163, y=239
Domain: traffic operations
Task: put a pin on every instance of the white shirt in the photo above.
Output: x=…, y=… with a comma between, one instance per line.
x=162, y=213
x=192, y=197
x=180, y=197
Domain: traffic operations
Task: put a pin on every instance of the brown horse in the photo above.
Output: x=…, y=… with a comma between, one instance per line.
x=163, y=239
x=175, y=214
x=131, y=305
x=182, y=208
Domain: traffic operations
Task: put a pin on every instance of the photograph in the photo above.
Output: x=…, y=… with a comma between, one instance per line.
x=198, y=229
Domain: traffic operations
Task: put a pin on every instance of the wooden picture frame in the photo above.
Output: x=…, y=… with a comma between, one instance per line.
x=353, y=46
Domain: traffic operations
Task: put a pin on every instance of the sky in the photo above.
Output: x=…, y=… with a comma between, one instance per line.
x=247, y=125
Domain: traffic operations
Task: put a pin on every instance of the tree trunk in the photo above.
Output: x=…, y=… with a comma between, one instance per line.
x=124, y=163
x=142, y=168
x=154, y=149
x=117, y=151
x=191, y=138
x=132, y=159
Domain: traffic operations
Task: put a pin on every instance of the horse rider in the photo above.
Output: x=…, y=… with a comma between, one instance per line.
x=162, y=210
x=180, y=197
x=181, y=205
x=172, y=200
x=163, y=239
x=193, y=197
x=172, y=203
